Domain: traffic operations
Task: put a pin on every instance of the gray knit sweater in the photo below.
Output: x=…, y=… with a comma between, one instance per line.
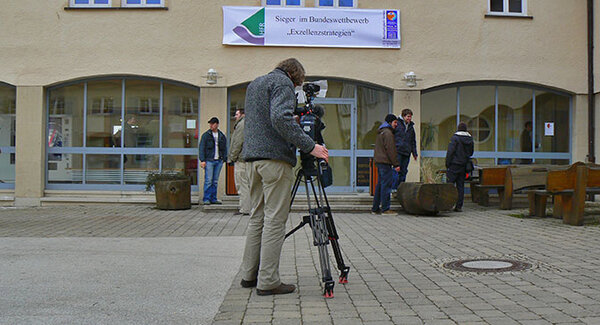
x=271, y=132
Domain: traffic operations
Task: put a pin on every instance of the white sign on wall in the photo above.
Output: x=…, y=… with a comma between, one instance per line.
x=311, y=27
x=549, y=129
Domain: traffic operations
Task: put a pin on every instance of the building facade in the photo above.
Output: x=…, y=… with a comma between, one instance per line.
x=94, y=94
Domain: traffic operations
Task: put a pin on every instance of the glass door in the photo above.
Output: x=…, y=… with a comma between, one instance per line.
x=340, y=139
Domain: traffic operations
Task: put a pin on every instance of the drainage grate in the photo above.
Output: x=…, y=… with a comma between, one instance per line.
x=487, y=265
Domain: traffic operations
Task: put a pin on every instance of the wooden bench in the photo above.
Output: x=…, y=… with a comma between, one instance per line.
x=568, y=188
x=489, y=178
x=508, y=180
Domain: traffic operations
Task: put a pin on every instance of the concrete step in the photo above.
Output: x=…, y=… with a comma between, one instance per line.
x=338, y=203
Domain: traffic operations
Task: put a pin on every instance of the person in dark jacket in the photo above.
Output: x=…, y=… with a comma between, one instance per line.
x=459, y=152
x=526, y=142
x=406, y=144
x=212, y=152
x=386, y=161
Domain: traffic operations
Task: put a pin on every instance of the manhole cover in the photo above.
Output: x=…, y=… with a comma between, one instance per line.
x=483, y=265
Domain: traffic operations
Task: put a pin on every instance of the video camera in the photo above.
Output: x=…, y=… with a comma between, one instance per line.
x=310, y=121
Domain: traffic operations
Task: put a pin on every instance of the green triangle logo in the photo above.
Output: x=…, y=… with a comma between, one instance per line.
x=256, y=23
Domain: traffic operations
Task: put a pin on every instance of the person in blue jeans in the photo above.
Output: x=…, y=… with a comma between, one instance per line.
x=406, y=145
x=386, y=161
x=212, y=152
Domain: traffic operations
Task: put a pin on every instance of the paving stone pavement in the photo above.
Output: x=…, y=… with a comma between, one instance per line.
x=396, y=262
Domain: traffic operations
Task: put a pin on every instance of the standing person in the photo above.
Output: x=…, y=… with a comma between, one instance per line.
x=526, y=141
x=386, y=161
x=239, y=165
x=212, y=153
x=271, y=136
x=459, y=152
x=406, y=144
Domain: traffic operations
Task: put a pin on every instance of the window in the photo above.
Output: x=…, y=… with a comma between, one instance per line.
x=143, y=3
x=90, y=3
x=506, y=121
x=508, y=7
x=7, y=135
x=109, y=133
x=336, y=3
x=283, y=3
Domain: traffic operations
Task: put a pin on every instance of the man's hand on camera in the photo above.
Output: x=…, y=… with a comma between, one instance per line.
x=320, y=152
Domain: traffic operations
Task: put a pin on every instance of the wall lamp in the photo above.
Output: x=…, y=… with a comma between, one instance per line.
x=411, y=79
x=211, y=76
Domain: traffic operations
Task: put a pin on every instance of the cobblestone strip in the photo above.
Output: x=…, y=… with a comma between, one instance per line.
x=117, y=221
x=393, y=278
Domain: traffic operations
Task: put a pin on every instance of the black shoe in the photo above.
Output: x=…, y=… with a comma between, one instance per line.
x=281, y=290
x=457, y=209
x=216, y=202
x=248, y=284
x=237, y=213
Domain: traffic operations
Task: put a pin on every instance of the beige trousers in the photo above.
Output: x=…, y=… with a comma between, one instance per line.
x=242, y=186
x=270, y=194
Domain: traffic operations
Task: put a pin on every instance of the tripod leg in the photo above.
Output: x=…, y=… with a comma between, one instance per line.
x=333, y=235
x=302, y=223
x=333, y=238
x=295, y=187
x=321, y=240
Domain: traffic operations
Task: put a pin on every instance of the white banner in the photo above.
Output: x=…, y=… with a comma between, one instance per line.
x=313, y=27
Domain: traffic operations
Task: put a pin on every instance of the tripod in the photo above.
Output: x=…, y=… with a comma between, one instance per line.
x=320, y=220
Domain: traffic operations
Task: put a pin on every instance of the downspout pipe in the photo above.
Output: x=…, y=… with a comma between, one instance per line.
x=591, y=97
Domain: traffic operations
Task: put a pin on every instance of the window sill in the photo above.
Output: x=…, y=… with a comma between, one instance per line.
x=116, y=8
x=517, y=16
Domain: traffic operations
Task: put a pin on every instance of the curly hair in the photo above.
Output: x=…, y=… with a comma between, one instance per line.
x=294, y=68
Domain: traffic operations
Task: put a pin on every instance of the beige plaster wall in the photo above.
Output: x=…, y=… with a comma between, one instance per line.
x=442, y=41
x=411, y=99
x=213, y=102
x=579, y=133
x=597, y=128
x=596, y=4
x=30, y=146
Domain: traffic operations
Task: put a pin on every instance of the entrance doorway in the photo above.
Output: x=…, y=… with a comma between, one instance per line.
x=349, y=149
x=353, y=114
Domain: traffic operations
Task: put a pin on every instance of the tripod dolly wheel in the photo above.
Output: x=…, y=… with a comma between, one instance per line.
x=344, y=275
x=328, y=291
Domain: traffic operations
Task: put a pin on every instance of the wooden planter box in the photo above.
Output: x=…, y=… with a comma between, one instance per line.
x=427, y=199
x=173, y=195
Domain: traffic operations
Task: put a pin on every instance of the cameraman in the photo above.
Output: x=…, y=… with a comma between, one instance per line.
x=271, y=136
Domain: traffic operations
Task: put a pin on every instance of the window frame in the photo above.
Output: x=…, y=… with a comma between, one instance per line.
x=11, y=147
x=283, y=4
x=143, y=4
x=336, y=4
x=505, y=9
x=119, y=150
x=90, y=4
x=497, y=154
